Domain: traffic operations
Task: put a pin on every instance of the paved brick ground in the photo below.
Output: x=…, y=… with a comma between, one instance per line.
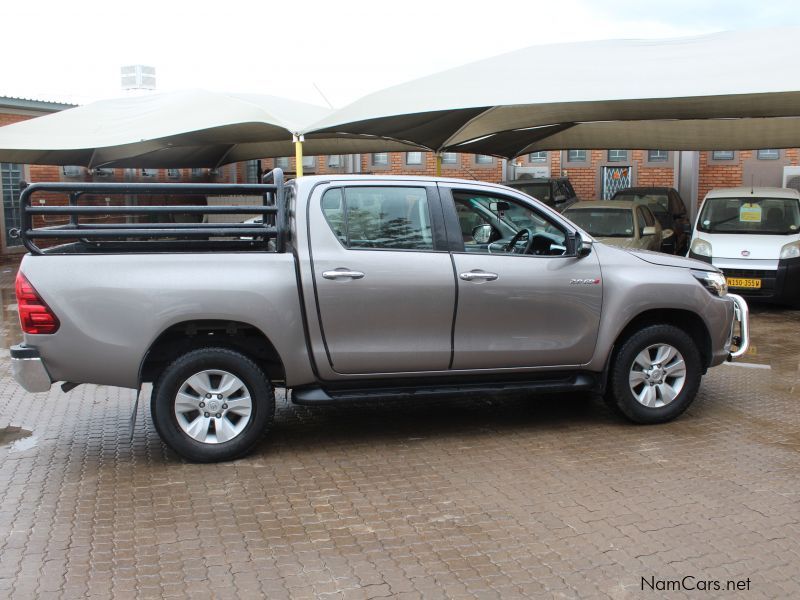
x=512, y=497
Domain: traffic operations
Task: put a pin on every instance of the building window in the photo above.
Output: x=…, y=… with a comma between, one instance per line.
x=103, y=172
x=380, y=159
x=483, y=159
x=722, y=155
x=617, y=155
x=71, y=171
x=252, y=168
x=335, y=161
x=769, y=154
x=538, y=156
x=309, y=162
x=174, y=173
x=414, y=158
x=197, y=172
x=576, y=155
x=449, y=158
x=148, y=172
x=282, y=162
x=657, y=156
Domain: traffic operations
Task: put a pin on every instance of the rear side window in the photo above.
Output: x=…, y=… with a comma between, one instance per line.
x=393, y=218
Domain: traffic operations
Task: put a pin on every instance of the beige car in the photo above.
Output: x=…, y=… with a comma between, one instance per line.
x=619, y=223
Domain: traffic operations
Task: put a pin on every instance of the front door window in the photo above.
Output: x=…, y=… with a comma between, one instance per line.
x=490, y=223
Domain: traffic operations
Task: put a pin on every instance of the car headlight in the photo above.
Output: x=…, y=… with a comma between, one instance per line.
x=790, y=250
x=701, y=247
x=714, y=282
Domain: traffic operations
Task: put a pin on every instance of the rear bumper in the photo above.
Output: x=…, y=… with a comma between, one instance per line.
x=29, y=370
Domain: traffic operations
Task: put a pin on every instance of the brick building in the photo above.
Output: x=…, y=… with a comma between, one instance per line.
x=594, y=173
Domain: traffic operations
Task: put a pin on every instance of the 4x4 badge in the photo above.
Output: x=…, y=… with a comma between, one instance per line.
x=584, y=282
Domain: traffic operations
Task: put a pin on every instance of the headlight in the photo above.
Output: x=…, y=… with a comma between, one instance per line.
x=714, y=282
x=790, y=250
x=701, y=247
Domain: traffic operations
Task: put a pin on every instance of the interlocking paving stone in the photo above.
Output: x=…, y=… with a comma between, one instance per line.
x=477, y=497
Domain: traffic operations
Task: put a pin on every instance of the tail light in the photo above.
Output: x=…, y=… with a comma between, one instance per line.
x=34, y=314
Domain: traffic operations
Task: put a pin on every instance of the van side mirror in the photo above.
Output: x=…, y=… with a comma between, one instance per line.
x=648, y=231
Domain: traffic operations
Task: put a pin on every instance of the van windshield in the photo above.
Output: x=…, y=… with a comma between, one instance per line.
x=766, y=216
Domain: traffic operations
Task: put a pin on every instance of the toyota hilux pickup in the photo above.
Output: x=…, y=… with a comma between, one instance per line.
x=350, y=287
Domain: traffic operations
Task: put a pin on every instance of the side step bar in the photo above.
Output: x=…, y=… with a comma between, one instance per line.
x=315, y=395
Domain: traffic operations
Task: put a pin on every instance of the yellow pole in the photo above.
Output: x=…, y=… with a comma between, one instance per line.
x=438, y=164
x=298, y=153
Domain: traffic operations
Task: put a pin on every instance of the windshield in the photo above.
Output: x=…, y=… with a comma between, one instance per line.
x=658, y=199
x=603, y=222
x=775, y=216
x=540, y=191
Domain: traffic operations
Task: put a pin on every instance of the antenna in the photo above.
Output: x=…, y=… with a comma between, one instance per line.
x=752, y=178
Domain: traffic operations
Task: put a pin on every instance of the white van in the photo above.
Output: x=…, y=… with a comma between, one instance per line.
x=753, y=235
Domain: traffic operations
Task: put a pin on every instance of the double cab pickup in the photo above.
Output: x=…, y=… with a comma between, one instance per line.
x=351, y=287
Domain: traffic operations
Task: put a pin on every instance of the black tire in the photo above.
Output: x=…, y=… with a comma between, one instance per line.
x=174, y=376
x=620, y=395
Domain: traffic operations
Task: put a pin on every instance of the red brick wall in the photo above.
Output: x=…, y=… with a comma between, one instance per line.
x=714, y=175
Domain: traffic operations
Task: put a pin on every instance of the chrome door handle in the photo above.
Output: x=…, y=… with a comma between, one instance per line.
x=473, y=275
x=343, y=274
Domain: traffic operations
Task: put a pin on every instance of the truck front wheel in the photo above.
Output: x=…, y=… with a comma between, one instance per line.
x=655, y=374
x=212, y=404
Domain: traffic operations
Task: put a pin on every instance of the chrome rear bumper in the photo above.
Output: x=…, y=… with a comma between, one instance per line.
x=29, y=370
x=741, y=315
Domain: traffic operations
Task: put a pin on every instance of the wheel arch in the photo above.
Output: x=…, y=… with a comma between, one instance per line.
x=686, y=320
x=185, y=336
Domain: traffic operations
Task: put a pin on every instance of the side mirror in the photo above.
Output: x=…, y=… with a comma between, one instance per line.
x=482, y=234
x=583, y=248
x=498, y=207
x=648, y=231
x=667, y=233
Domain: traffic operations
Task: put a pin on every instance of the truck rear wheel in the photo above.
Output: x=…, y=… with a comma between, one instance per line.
x=655, y=374
x=212, y=404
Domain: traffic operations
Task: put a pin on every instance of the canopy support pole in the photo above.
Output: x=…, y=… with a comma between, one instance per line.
x=298, y=153
x=438, y=164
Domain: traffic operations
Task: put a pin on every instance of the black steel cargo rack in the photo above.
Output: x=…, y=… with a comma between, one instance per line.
x=134, y=236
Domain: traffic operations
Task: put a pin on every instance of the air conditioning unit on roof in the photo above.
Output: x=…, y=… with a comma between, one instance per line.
x=791, y=177
x=532, y=172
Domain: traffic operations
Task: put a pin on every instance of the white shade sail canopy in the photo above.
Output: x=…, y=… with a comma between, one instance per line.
x=193, y=128
x=675, y=94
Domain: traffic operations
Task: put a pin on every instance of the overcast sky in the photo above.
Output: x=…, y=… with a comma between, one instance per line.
x=72, y=51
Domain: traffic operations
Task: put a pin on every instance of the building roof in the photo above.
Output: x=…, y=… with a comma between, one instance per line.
x=31, y=104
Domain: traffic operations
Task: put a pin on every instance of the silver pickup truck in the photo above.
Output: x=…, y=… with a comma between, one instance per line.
x=351, y=287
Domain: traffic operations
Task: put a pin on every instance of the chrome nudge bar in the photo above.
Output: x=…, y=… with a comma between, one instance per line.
x=741, y=315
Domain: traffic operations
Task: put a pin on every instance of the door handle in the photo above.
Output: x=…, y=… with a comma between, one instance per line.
x=473, y=275
x=343, y=274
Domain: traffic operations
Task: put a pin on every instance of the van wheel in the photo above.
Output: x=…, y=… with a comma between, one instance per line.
x=212, y=404
x=655, y=374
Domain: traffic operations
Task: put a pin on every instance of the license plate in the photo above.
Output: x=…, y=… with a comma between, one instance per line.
x=741, y=282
